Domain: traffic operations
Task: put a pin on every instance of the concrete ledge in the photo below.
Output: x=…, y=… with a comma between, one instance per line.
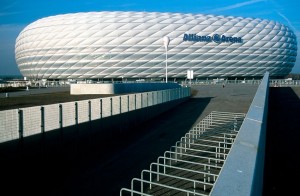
x=242, y=173
x=119, y=88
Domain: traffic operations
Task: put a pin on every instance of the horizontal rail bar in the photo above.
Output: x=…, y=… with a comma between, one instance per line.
x=133, y=191
x=166, y=186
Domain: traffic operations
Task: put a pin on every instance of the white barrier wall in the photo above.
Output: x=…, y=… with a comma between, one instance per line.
x=24, y=122
x=9, y=125
x=118, y=88
x=52, y=116
x=31, y=121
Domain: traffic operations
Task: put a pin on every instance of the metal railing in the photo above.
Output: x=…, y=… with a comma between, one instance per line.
x=193, y=164
x=65, y=83
x=272, y=82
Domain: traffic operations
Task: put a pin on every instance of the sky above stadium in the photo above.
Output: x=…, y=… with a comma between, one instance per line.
x=15, y=15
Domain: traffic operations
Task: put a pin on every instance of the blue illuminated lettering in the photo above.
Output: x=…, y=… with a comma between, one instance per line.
x=215, y=38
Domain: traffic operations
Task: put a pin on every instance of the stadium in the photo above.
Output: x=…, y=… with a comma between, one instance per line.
x=114, y=45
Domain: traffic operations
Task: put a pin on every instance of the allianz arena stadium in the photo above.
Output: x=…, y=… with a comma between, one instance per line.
x=130, y=45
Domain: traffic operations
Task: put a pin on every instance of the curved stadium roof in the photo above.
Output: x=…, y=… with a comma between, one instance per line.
x=130, y=45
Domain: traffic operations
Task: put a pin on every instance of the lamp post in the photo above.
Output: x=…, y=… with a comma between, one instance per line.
x=166, y=44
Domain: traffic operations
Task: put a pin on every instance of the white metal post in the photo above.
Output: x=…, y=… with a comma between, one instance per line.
x=166, y=65
x=166, y=40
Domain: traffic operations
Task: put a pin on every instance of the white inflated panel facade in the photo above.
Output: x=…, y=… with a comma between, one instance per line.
x=130, y=45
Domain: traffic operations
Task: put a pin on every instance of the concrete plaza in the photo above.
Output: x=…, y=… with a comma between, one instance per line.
x=114, y=161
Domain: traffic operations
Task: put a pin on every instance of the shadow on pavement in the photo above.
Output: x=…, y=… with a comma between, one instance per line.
x=106, y=166
x=282, y=161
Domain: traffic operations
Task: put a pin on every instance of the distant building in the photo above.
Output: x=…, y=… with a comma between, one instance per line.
x=130, y=45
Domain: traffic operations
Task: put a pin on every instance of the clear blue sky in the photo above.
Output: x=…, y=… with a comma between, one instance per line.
x=17, y=14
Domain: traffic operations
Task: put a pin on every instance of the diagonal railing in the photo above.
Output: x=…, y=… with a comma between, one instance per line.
x=193, y=164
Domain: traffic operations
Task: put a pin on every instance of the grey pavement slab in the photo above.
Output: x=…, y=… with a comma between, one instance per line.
x=34, y=91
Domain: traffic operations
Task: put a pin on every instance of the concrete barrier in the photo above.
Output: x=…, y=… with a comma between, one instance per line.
x=119, y=88
x=242, y=173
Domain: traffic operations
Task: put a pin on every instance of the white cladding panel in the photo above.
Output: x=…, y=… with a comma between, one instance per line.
x=130, y=45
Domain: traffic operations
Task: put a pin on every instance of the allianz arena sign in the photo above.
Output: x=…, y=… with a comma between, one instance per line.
x=215, y=38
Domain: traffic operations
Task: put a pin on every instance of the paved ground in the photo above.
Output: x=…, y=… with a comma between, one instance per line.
x=117, y=160
x=111, y=164
x=282, y=163
x=42, y=96
x=33, y=91
x=156, y=136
